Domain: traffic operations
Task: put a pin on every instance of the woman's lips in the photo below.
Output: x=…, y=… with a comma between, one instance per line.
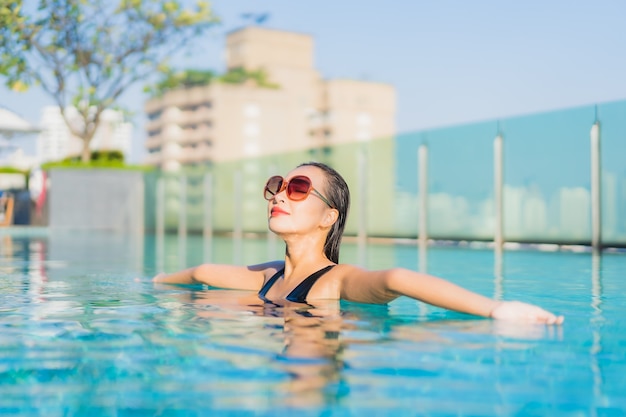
x=276, y=211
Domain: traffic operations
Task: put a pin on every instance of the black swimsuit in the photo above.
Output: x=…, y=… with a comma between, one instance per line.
x=299, y=294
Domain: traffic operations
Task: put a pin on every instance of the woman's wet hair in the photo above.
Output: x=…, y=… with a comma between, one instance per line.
x=337, y=192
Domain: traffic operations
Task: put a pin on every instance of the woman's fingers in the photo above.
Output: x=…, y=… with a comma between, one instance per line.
x=517, y=311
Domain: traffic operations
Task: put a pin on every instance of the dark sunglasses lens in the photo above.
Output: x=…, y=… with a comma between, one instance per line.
x=272, y=187
x=298, y=188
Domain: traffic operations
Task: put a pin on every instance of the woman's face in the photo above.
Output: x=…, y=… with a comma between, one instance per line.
x=286, y=216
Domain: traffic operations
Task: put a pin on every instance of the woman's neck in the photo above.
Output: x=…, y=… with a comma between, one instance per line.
x=304, y=256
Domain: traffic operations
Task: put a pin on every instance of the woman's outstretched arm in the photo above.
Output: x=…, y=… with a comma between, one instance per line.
x=384, y=286
x=222, y=276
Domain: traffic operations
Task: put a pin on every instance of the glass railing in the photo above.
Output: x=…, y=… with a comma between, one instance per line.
x=547, y=176
x=460, y=181
x=612, y=117
x=546, y=193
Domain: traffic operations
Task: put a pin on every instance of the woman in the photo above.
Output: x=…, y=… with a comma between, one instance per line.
x=308, y=210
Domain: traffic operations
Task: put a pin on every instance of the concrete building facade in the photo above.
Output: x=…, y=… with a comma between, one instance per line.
x=222, y=122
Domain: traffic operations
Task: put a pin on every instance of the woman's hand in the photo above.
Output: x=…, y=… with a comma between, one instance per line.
x=518, y=311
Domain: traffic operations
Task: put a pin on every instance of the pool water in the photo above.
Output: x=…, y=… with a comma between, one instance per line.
x=83, y=331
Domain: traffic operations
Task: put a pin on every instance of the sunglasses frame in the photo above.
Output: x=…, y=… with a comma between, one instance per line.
x=285, y=186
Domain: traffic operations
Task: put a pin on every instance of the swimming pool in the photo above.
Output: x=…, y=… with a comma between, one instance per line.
x=85, y=332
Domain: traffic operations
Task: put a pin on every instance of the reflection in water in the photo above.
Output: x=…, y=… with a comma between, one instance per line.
x=596, y=323
x=455, y=332
x=596, y=286
x=309, y=345
x=498, y=284
x=199, y=349
x=182, y=253
x=160, y=252
x=305, y=340
x=26, y=257
x=422, y=256
x=207, y=247
x=37, y=276
x=422, y=266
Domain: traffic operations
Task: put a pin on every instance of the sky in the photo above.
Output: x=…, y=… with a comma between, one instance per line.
x=451, y=62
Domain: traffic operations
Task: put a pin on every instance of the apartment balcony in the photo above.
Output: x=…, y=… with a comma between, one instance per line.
x=153, y=142
x=173, y=115
x=194, y=155
x=321, y=133
x=200, y=134
x=202, y=114
x=155, y=124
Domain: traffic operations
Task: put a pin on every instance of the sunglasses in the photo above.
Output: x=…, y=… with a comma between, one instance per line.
x=298, y=188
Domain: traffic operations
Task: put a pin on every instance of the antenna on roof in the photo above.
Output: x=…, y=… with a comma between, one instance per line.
x=255, y=18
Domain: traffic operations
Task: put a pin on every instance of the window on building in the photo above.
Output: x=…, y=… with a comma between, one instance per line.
x=154, y=115
x=363, y=119
x=251, y=110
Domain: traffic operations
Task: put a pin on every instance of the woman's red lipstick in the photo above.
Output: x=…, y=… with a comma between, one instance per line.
x=277, y=210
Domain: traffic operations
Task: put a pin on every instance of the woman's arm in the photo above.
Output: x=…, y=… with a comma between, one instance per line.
x=222, y=276
x=384, y=286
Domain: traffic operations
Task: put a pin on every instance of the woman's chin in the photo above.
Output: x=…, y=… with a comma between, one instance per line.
x=279, y=230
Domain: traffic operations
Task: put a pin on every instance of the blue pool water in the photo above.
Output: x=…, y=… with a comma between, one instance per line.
x=83, y=331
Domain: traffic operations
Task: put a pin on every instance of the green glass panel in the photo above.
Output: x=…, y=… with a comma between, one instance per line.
x=612, y=118
x=547, y=176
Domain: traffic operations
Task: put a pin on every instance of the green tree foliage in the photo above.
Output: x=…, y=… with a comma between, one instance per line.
x=102, y=155
x=241, y=75
x=87, y=53
x=172, y=80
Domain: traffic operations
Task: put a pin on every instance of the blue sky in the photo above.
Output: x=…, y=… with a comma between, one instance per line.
x=451, y=61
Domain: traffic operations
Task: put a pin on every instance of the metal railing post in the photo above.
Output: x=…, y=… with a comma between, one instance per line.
x=363, y=212
x=160, y=223
x=238, y=218
x=422, y=158
x=498, y=183
x=182, y=213
x=182, y=223
x=596, y=188
x=207, y=229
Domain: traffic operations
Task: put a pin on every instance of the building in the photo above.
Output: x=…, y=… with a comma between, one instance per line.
x=296, y=110
x=55, y=142
x=14, y=128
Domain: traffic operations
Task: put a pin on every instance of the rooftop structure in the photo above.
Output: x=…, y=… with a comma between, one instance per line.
x=11, y=124
x=296, y=109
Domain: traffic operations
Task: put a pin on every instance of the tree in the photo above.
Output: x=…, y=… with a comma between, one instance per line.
x=87, y=53
x=171, y=80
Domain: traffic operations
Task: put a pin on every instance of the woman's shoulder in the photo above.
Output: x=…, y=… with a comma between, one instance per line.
x=345, y=269
x=268, y=269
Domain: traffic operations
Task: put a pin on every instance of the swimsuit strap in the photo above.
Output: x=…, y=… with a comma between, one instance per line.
x=299, y=294
x=269, y=284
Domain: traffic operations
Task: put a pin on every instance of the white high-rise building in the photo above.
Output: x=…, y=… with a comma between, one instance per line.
x=55, y=141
